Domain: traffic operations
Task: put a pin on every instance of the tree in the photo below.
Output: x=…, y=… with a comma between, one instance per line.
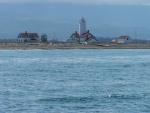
x=44, y=38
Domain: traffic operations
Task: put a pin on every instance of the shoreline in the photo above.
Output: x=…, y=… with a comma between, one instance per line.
x=50, y=46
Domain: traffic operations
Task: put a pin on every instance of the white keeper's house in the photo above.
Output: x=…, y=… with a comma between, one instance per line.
x=28, y=37
x=124, y=39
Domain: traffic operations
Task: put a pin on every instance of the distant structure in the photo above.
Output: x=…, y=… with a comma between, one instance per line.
x=82, y=26
x=28, y=37
x=83, y=36
x=124, y=39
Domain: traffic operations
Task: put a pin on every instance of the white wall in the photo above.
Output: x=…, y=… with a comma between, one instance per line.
x=126, y=40
x=82, y=27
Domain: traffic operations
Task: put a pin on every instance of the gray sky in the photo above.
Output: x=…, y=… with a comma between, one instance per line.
x=108, y=18
x=97, y=2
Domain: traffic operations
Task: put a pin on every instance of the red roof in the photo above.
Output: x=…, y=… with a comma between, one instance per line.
x=89, y=39
x=123, y=37
x=81, y=36
x=28, y=35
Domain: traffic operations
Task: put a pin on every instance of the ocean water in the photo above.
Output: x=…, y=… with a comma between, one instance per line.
x=74, y=81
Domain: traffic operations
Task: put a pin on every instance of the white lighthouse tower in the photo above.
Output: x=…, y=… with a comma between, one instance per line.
x=82, y=26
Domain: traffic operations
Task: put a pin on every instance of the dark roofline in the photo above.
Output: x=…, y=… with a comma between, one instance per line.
x=28, y=35
x=123, y=37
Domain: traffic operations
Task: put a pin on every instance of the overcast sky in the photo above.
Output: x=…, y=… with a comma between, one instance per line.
x=97, y=2
x=108, y=18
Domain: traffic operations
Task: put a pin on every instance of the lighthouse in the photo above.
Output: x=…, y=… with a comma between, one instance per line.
x=83, y=36
x=82, y=26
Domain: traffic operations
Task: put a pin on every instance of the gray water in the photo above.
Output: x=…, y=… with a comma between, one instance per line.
x=43, y=81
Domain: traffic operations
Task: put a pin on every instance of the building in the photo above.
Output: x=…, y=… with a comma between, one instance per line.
x=82, y=26
x=124, y=39
x=28, y=37
x=86, y=37
x=83, y=36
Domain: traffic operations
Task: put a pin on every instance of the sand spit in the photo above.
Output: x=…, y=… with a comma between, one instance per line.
x=49, y=46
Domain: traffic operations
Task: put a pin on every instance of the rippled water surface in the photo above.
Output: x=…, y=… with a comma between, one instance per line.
x=108, y=81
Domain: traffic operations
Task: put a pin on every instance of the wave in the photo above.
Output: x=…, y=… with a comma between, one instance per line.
x=90, y=99
x=69, y=99
x=130, y=97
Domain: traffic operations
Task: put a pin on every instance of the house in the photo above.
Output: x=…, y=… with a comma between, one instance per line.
x=124, y=39
x=84, y=38
x=28, y=37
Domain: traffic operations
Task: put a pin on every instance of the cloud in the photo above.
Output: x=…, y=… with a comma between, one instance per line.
x=96, y=2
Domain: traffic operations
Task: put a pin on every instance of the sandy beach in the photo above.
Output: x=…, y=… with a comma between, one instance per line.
x=50, y=46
